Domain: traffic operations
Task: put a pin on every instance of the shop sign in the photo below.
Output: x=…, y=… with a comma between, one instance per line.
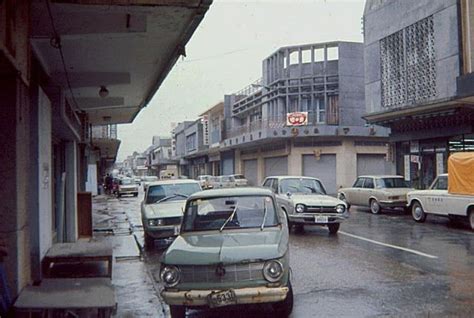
x=297, y=119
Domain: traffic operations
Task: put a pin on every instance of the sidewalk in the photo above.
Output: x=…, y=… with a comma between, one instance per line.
x=114, y=222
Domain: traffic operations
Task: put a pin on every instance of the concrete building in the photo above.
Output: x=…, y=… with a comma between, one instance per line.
x=160, y=157
x=67, y=66
x=325, y=82
x=419, y=80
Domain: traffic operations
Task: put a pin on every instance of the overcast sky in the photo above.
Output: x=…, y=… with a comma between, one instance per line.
x=225, y=54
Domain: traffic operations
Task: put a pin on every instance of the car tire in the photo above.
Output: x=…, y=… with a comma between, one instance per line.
x=342, y=197
x=285, y=307
x=333, y=228
x=471, y=218
x=375, y=207
x=177, y=311
x=417, y=212
x=149, y=241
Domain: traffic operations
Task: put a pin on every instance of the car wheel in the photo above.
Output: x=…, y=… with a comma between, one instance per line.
x=178, y=311
x=149, y=241
x=375, y=206
x=471, y=218
x=333, y=228
x=342, y=197
x=417, y=212
x=285, y=307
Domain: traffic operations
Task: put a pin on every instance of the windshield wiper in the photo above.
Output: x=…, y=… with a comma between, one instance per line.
x=172, y=196
x=231, y=216
x=264, y=215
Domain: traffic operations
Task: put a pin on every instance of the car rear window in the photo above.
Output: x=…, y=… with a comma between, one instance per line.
x=390, y=183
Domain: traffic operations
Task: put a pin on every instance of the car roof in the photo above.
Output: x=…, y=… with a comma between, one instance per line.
x=291, y=177
x=380, y=176
x=231, y=192
x=173, y=181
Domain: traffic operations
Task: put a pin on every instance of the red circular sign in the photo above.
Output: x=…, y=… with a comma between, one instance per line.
x=296, y=119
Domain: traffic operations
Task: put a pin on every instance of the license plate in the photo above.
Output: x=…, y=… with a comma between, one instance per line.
x=223, y=298
x=176, y=230
x=321, y=219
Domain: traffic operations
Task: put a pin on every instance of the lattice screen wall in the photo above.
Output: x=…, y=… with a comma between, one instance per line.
x=408, y=68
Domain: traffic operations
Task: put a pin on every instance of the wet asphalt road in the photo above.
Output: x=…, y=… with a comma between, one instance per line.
x=377, y=265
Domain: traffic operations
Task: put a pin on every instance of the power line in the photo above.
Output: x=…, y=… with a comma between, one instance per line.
x=56, y=43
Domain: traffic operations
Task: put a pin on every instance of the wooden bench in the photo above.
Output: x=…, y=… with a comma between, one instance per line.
x=67, y=297
x=78, y=252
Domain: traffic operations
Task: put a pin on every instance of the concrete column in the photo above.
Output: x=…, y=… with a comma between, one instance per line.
x=238, y=163
x=71, y=191
x=295, y=165
x=346, y=164
x=260, y=168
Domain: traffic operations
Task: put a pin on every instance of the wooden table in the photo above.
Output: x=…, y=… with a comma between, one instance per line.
x=58, y=296
x=78, y=252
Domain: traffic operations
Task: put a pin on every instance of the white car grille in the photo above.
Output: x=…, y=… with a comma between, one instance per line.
x=213, y=274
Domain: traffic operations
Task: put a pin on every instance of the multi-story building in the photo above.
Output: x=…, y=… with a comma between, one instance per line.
x=419, y=80
x=304, y=118
x=213, y=125
x=159, y=158
x=179, y=146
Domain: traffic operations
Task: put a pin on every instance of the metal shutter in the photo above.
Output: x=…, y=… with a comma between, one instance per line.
x=324, y=169
x=371, y=164
x=276, y=166
x=250, y=171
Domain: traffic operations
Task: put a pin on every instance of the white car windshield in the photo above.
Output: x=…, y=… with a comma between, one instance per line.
x=171, y=192
x=127, y=181
x=224, y=213
x=301, y=185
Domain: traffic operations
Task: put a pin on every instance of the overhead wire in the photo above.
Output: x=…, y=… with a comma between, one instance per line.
x=55, y=42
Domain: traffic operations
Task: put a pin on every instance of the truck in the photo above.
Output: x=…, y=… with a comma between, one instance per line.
x=450, y=195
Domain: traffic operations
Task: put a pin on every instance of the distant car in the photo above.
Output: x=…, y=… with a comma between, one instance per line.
x=147, y=180
x=239, y=180
x=222, y=182
x=137, y=180
x=125, y=186
x=204, y=181
x=305, y=202
x=162, y=208
x=232, y=249
x=377, y=192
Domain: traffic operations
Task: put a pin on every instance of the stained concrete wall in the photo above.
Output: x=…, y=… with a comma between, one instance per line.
x=14, y=173
x=392, y=16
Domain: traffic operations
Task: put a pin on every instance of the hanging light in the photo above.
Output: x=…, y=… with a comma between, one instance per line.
x=103, y=92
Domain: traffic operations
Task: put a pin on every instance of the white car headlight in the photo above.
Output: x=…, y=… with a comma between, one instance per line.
x=155, y=222
x=340, y=208
x=273, y=271
x=300, y=208
x=170, y=275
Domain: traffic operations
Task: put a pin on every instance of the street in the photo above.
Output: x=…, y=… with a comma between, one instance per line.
x=377, y=265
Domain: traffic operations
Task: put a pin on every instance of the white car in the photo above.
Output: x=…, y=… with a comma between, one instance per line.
x=147, y=180
x=239, y=180
x=437, y=200
x=305, y=202
x=162, y=209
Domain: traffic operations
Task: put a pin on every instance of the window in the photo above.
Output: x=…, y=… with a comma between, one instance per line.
x=268, y=183
x=275, y=186
x=191, y=142
x=441, y=183
x=237, y=212
x=369, y=183
x=390, y=183
x=301, y=185
x=171, y=191
x=359, y=183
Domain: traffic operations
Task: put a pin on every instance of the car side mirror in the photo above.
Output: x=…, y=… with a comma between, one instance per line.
x=288, y=194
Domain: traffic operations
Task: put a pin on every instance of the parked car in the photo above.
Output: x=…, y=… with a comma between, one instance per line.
x=162, y=209
x=137, y=180
x=146, y=180
x=305, y=202
x=232, y=249
x=204, y=181
x=125, y=186
x=452, y=199
x=239, y=180
x=377, y=192
x=222, y=182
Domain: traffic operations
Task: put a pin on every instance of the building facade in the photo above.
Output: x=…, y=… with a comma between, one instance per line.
x=419, y=81
x=325, y=83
